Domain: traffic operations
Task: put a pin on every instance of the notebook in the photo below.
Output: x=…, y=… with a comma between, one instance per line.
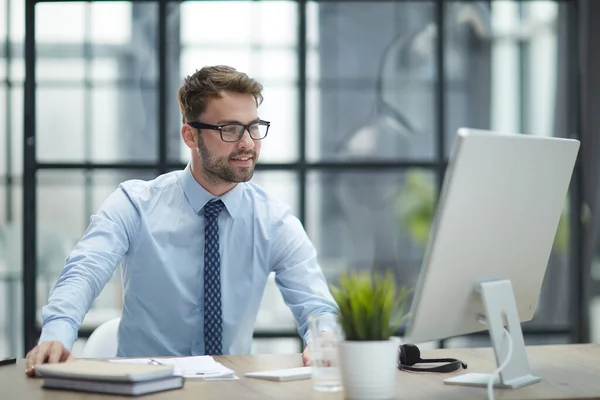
x=282, y=375
x=103, y=377
x=120, y=388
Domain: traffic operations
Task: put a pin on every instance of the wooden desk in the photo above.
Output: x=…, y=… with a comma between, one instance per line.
x=567, y=372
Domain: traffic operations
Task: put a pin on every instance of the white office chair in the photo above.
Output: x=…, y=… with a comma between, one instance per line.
x=102, y=343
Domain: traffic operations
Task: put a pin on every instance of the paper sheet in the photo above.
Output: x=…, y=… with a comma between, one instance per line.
x=197, y=367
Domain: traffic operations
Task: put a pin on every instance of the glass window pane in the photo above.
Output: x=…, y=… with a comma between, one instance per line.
x=214, y=22
x=16, y=69
x=126, y=51
x=16, y=193
x=270, y=67
x=3, y=102
x=371, y=220
x=375, y=78
x=53, y=69
x=273, y=313
x=116, y=15
x=105, y=69
x=278, y=22
x=11, y=128
x=3, y=31
x=16, y=130
x=63, y=209
x=60, y=22
x=60, y=124
x=11, y=305
x=193, y=59
x=312, y=24
x=17, y=20
x=467, y=68
x=267, y=23
x=496, y=80
x=280, y=107
x=124, y=124
x=281, y=185
x=67, y=69
x=276, y=66
x=276, y=346
x=3, y=214
x=111, y=124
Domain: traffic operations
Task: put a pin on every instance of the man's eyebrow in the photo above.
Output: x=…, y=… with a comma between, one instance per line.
x=233, y=121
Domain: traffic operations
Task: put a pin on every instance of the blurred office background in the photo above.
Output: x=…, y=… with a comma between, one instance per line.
x=364, y=97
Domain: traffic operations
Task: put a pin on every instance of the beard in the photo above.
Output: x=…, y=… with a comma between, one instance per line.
x=219, y=170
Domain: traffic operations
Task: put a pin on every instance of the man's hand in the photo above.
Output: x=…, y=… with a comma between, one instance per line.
x=306, y=356
x=47, y=352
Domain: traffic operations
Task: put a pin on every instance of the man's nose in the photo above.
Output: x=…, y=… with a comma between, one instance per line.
x=246, y=142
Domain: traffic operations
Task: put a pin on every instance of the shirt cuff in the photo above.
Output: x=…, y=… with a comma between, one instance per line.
x=60, y=330
x=306, y=338
x=325, y=326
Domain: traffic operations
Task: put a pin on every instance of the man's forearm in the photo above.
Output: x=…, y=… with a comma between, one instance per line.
x=72, y=296
x=70, y=299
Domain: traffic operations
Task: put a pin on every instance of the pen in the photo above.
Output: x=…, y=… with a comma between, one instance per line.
x=8, y=361
x=188, y=373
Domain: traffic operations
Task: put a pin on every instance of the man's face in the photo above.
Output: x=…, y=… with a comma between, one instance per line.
x=228, y=162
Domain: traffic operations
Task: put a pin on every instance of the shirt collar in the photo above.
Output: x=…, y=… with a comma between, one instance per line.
x=198, y=196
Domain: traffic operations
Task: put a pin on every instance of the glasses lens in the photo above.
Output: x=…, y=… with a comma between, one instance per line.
x=258, y=131
x=232, y=133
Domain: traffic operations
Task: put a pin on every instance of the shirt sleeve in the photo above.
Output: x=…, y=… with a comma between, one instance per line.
x=89, y=267
x=298, y=274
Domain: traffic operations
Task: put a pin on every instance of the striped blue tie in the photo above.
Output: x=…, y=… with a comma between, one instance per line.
x=213, y=325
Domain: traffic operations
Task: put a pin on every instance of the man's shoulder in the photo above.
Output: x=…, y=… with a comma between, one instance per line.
x=144, y=189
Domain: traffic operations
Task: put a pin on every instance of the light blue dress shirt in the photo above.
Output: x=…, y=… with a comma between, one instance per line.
x=155, y=231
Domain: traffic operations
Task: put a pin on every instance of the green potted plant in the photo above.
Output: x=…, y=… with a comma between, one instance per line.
x=371, y=310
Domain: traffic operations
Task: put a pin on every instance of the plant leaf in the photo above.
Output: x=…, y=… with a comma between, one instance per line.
x=371, y=305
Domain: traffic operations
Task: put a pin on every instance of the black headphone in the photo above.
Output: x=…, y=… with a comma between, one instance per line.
x=410, y=355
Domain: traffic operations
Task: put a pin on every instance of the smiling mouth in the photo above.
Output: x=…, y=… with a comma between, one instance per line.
x=242, y=158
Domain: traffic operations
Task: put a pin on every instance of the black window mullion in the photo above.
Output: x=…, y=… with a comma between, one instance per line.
x=87, y=108
x=8, y=118
x=440, y=98
x=579, y=273
x=29, y=183
x=302, y=89
x=162, y=87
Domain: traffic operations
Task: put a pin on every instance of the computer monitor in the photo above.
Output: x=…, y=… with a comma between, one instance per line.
x=491, y=239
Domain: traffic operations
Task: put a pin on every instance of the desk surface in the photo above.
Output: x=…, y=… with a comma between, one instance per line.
x=567, y=372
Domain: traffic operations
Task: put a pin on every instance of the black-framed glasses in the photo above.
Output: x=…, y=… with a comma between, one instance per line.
x=232, y=132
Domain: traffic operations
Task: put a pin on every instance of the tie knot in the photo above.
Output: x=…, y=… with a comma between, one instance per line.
x=213, y=208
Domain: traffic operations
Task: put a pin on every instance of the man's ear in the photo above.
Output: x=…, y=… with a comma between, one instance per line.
x=188, y=134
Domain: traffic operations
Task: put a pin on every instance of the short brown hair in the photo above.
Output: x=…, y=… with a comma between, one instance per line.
x=209, y=83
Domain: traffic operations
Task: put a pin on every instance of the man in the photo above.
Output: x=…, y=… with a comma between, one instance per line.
x=195, y=246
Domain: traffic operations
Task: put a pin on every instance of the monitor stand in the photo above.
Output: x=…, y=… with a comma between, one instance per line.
x=501, y=310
